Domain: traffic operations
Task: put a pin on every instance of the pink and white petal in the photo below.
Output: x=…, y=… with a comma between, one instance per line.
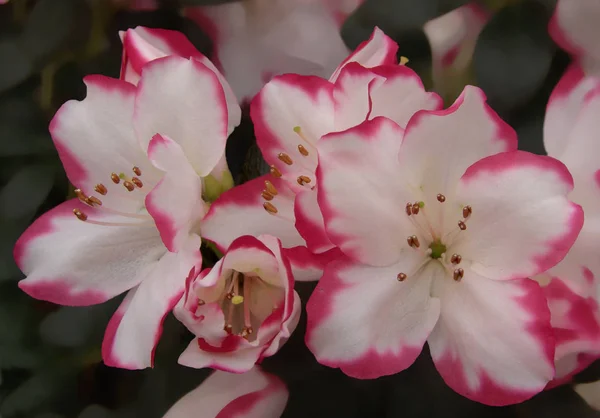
x=95, y=138
x=307, y=266
x=240, y=211
x=134, y=330
x=205, y=321
x=293, y=110
x=440, y=145
x=248, y=253
x=234, y=355
x=361, y=192
x=564, y=106
x=253, y=394
x=493, y=342
x=574, y=27
x=286, y=328
x=401, y=95
x=379, y=49
x=183, y=99
x=364, y=321
x=76, y=263
x=175, y=202
x=310, y=223
x=522, y=222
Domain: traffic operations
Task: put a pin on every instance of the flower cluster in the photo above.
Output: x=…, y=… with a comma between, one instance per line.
x=421, y=223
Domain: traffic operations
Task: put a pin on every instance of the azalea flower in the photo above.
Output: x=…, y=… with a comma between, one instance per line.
x=440, y=224
x=574, y=27
x=137, y=156
x=252, y=394
x=452, y=38
x=255, y=40
x=241, y=310
x=573, y=286
x=290, y=114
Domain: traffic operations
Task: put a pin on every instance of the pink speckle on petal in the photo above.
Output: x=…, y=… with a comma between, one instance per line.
x=589, y=276
x=61, y=292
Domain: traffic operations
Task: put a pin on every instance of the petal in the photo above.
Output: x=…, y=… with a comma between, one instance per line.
x=142, y=45
x=254, y=394
x=307, y=266
x=522, y=222
x=134, y=330
x=95, y=138
x=77, y=263
x=360, y=192
x=574, y=28
x=564, y=106
x=223, y=223
x=183, y=99
x=439, y=146
x=310, y=223
x=379, y=49
x=400, y=95
x=235, y=355
x=362, y=320
x=292, y=110
x=176, y=202
x=493, y=342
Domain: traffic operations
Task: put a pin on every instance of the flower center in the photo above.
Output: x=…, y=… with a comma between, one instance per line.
x=236, y=305
x=437, y=249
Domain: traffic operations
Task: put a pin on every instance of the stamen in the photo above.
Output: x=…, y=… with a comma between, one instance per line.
x=137, y=182
x=270, y=188
x=401, y=277
x=415, y=209
x=95, y=200
x=455, y=259
x=81, y=196
x=80, y=215
x=409, y=209
x=269, y=207
x=115, y=178
x=302, y=180
x=441, y=198
x=266, y=195
x=201, y=302
x=275, y=171
x=403, y=60
x=247, y=324
x=413, y=241
x=458, y=274
x=302, y=150
x=467, y=211
x=462, y=225
x=285, y=158
x=228, y=329
x=137, y=171
x=101, y=188
x=237, y=299
x=129, y=186
x=246, y=332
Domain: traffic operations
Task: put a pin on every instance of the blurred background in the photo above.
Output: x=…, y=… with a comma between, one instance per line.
x=50, y=357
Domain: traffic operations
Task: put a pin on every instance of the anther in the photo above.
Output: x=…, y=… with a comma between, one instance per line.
x=129, y=185
x=101, y=188
x=269, y=207
x=441, y=198
x=302, y=180
x=285, y=158
x=137, y=182
x=415, y=208
x=413, y=241
x=79, y=214
x=302, y=150
x=467, y=211
x=462, y=225
x=115, y=178
x=270, y=188
x=237, y=299
x=246, y=332
x=455, y=259
x=94, y=200
x=458, y=274
x=401, y=277
x=228, y=329
x=275, y=171
x=403, y=60
x=137, y=171
x=229, y=295
x=201, y=302
x=81, y=196
x=409, y=209
x=266, y=195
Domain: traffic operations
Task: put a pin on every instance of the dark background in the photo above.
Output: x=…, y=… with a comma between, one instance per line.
x=50, y=355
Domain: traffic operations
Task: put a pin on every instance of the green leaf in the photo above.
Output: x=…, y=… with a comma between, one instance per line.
x=96, y=411
x=26, y=191
x=513, y=55
x=19, y=357
x=34, y=392
x=16, y=65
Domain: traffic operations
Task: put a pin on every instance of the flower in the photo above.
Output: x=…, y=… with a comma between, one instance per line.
x=290, y=114
x=252, y=394
x=440, y=224
x=137, y=156
x=241, y=310
x=572, y=287
x=257, y=39
x=574, y=27
x=452, y=38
